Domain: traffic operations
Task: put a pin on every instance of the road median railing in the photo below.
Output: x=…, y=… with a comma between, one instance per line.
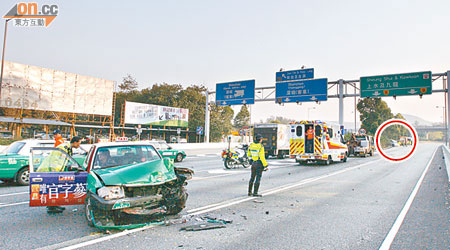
x=446, y=152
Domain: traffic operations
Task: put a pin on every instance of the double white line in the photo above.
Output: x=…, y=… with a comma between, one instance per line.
x=13, y=204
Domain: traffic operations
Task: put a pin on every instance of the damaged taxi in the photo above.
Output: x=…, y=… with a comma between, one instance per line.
x=120, y=184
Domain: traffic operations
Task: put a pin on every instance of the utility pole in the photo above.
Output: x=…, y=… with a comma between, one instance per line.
x=341, y=102
x=207, y=118
x=3, y=57
x=448, y=106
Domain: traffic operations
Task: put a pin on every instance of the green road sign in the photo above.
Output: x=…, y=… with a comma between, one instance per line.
x=418, y=83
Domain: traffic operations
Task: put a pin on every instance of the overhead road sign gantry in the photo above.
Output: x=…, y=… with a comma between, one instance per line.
x=235, y=93
x=418, y=83
x=313, y=90
x=292, y=75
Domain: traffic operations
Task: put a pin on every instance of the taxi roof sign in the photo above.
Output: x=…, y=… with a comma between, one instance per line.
x=122, y=139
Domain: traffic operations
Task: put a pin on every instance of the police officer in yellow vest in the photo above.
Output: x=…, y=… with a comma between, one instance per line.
x=256, y=155
x=56, y=161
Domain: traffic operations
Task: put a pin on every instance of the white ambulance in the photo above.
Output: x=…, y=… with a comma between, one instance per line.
x=323, y=145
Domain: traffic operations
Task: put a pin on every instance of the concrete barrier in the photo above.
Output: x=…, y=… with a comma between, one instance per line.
x=215, y=145
x=202, y=148
x=446, y=152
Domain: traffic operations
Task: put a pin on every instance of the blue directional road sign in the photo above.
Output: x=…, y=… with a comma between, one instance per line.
x=301, y=91
x=199, y=130
x=235, y=93
x=293, y=75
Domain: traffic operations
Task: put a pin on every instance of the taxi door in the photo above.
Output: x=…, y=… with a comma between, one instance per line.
x=56, y=179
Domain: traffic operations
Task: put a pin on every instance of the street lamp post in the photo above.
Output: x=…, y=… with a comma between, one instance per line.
x=354, y=112
x=3, y=56
x=310, y=109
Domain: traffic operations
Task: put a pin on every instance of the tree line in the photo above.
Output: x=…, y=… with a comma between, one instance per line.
x=373, y=112
x=174, y=95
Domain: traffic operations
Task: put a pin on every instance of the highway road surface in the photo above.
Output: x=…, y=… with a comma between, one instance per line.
x=366, y=203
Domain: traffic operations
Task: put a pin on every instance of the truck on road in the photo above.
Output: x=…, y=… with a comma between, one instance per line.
x=275, y=138
x=361, y=145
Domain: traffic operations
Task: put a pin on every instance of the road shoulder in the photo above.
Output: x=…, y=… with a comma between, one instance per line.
x=427, y=224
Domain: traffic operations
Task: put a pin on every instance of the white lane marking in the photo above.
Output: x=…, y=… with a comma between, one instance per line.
x=2, y=195
x=211, y=207
x=228, y=203
x=215, y=171
x=309, y=180
x=283, y=163
x=109, y=237
x=223, y=171
x=14, y=204
x=398, y=222
x=203, y=155
x=209, y=177
x=282, y=166
x=208, y=206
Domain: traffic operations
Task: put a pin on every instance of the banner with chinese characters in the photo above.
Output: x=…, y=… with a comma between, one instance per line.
x=149, y=114
x=57, y=188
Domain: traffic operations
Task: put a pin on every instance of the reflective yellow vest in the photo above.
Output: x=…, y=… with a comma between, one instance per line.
x=56, y=161
x=66, y=147
x=256, y=152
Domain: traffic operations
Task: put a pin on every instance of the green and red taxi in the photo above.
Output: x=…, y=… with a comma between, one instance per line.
x=168, y=152
x=116, y=180
x=14, y=160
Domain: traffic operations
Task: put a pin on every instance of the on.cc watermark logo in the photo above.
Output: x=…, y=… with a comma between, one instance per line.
x=32, y=15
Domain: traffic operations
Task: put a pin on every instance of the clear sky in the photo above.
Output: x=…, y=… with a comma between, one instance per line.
x=208, y=42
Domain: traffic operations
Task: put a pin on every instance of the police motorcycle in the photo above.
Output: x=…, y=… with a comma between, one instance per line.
x=234, y=158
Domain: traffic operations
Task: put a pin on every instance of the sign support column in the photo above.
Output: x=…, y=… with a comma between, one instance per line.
x=448, y=108
x=207, y=118
x=341, y=102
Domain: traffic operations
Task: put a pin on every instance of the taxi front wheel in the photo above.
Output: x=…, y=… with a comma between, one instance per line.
x=23, y=176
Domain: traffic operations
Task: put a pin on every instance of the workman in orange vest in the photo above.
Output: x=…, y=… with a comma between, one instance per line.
x=58, y=138
x=309, y=140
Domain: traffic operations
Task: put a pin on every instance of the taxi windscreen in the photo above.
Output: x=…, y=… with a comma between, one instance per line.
x=124, y=155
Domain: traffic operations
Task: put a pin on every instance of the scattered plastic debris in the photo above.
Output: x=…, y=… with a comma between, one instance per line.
x=216, y=220
x=203, y=226
x=258, y=201
x=200, y=223
x=181, y=220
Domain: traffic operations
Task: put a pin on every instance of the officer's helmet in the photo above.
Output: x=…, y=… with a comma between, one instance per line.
x=257, y=138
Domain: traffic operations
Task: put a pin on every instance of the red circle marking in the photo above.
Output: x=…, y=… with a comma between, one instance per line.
x=380, y=129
